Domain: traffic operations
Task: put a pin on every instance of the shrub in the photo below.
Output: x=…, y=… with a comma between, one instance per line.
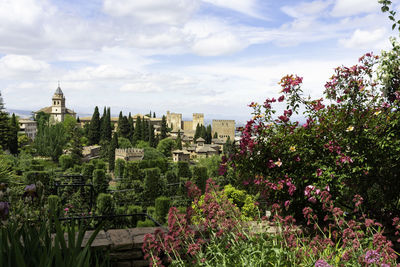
x=100, y=181
x=145, y=223
x=132, y=171
x=32, y=177
x=154, y=185
x=133, y=209
x=184, y=170
x=119, y=168
x=105, y=204
x=87, y=171
x=200, y=177
x=66, y=162
x=100, y=165
x=162, y=205
x=151, y=211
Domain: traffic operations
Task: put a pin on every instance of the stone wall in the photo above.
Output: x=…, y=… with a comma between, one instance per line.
x=174, y=120
x=198, y=118
x=124, y=245
x=224, y=128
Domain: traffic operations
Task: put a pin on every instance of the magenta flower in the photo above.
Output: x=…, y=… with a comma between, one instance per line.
x=319, y=172
x=321, y=263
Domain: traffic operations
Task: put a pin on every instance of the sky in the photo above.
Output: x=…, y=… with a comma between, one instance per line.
x=185, y=56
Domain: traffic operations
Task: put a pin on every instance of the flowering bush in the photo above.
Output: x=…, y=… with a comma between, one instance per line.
x=222, y=239
x=349, y=145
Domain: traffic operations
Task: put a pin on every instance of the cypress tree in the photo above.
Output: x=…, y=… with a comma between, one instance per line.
x=215, y=135
x=145, y=130
x=131, y=128
x=154, y=114
x=138, y=129
x=111, y=152
x=76, y=145
x=1, y=103
x=103, y=120
x=94, y=128
x=179, y=141
x=119, y=121
x=151, y=136
x=197, y=133
x=203, y=132
x=4, y=125
x=78, y=120
x=124, y=129
x=13, y=138
x=208, y=135
x=107, y=126
x=163, y=127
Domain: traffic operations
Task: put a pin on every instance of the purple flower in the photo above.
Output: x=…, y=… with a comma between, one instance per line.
x=4, y=210
x=372, y=256
x=321, y=263
x=30, y=190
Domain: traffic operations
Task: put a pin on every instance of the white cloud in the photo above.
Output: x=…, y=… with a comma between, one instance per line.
x=19, y=63
x=248, y=7
x=102, y=72
x=218, y=44
x=354, y=7
x=171, y=12
x=366, y=39
x=306, y=9
x=141, y=87
x=20, y=12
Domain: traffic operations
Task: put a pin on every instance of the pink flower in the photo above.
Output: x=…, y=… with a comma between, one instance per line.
x=287, y=203
x=312, y=200
x=281, y=98
x=319, y=172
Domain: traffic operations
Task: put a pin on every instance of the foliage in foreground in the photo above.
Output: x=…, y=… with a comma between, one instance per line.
x=222, y=239
x=34, y=245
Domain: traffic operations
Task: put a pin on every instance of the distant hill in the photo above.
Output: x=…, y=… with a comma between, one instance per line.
x=19, y=112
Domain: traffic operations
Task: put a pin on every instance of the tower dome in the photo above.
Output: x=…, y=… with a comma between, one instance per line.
x=58, y=90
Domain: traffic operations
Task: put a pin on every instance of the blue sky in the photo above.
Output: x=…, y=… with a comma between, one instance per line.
x=187, y=56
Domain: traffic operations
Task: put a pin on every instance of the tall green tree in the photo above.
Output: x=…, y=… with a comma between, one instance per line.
x=50, y=141
x=131, y=127
x=215, y=135
x=145, y=130
x=94, y=128
x=197, y=133
x=208, y=134
x=164, y=129
x=111, y=151
x=75, y=145
x=154, y=114
x=107, y=126
x=138, y=129
x=13, y=138
x=151, y=136
x=179, y=141
x=124, y=129
x=4, y=125
x=120, y=117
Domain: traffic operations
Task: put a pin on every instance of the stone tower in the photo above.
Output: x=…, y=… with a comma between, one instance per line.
x=198, y=118
x=58, y=109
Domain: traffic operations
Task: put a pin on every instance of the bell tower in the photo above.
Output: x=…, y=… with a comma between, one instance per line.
x=58, y=110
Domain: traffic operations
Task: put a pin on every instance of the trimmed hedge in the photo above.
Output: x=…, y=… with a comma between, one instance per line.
x=162, y=205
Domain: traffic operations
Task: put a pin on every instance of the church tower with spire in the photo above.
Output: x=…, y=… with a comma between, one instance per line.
x=58, y=105
x=57, y=110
